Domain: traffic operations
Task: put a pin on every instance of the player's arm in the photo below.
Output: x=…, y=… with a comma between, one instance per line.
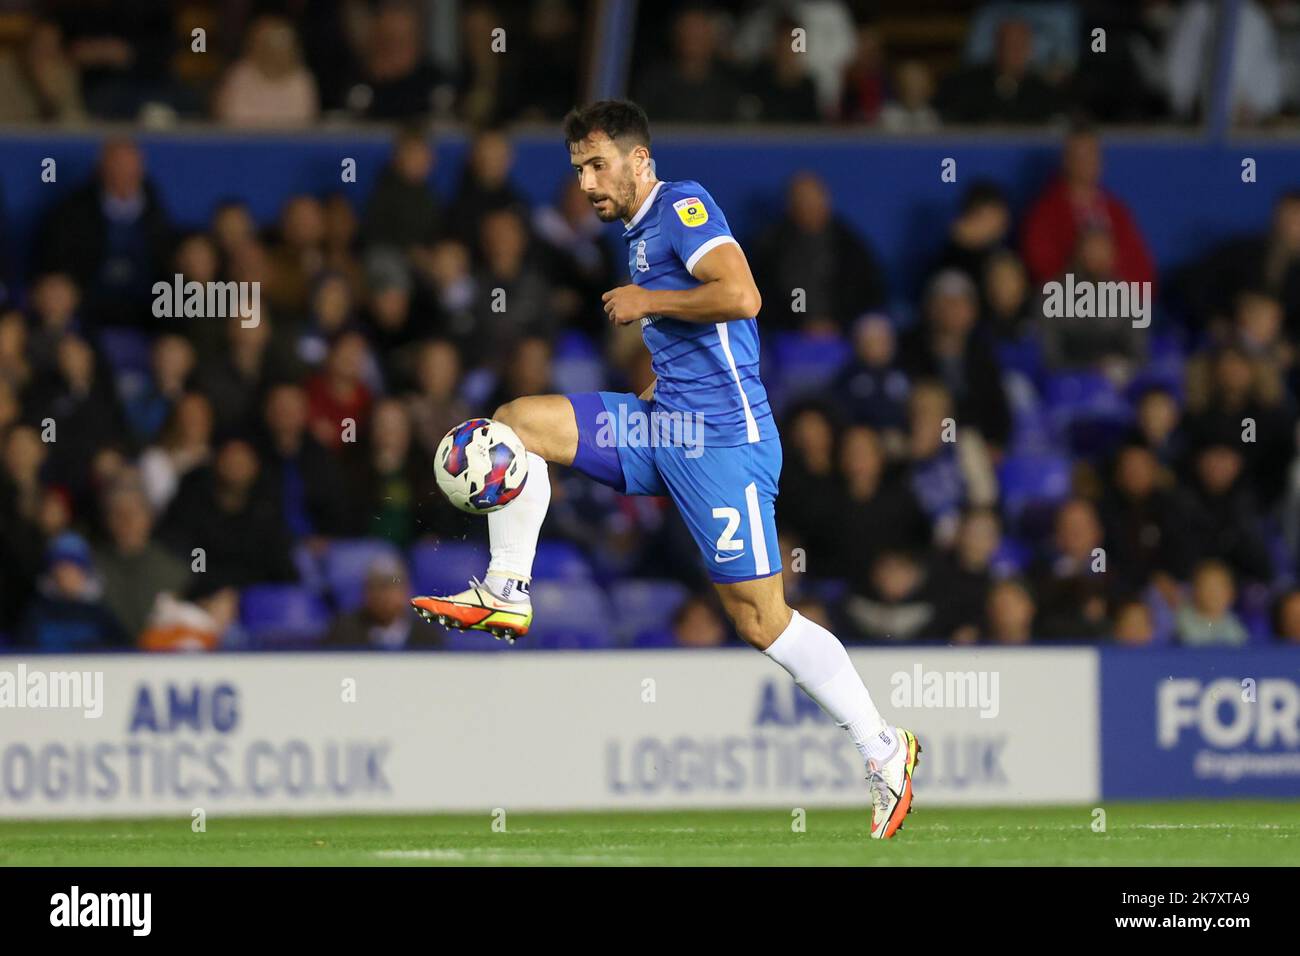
x=726, y=292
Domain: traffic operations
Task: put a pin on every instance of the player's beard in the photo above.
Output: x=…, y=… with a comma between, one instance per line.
x=620, y=208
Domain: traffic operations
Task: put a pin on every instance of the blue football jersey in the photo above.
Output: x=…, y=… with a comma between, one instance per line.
x=706, y=369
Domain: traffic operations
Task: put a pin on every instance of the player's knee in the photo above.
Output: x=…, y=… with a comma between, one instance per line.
x=757, y=625
x=511, y=414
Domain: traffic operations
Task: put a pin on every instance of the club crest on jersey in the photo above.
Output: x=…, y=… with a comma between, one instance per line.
x=691, y=212
x=642, y=263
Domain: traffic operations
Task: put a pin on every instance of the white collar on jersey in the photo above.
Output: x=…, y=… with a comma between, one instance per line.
x=645, y=207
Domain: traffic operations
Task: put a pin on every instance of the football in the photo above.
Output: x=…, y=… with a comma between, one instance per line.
x=481, y=465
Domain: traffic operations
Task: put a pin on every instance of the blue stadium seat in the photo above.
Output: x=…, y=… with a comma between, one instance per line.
x=657, y=637
x=283, y=615
x=571, y=614
x=559, y=560
x=1082, y=393
x=1032, y=482
x=345, y=565
x=805, y=362
x=125, y=349
x=445, y=567
x=642, y=604
x=474, y=641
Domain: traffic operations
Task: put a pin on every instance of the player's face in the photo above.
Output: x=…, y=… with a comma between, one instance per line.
x=605, y=176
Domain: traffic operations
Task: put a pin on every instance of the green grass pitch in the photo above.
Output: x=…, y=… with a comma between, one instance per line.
x=1228, y=833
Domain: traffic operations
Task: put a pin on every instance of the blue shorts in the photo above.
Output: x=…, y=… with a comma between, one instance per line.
x=727, y=496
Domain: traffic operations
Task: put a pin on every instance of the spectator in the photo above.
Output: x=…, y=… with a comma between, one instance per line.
x=1267, y=262
x=948, y=469
x=173, y=361
x=485, y=185
x=1226, y=519
x=1008, y=90
x=1071, y=579
x=946, y=345
x=527, y=372
x=489, y=88
x=813, y=251
x=965, y=576
x=900, y=602
x=402, y=213
x=1159, y=427
x=862, y=98
x=434, y=405
x=269, y=85
x=197, y=260
x=1134, y=626
x=572, y=244
x=453, y=292
x=872, y=389
x=1011, y=312
x=384, y=620
x=1011, y=613
x=391, y=481
x=235, y=381
x=808, y=502
x=911, y=109
x=877, y=510
x=979, y=232
x=780, y=90
x=123, y=49
x=84, y=409
x=184, y=443
x=694, y=86
x=337, y=397
x=39, y=82
x=1240, y=399
x=393, y=326
x=68, y=613
x=1256, y=85
x=227, y=512
x=548, y=86
x=1110, y=344
x=15, y=367
x=330, y=310
x=306, y=481
x=1207, y=620
x=1075, y=203
x=55, y=304
x=1286, y=617
x=298, y=257
x=21, y=538
x=135, y=569
x=397, y=81
x=112, y=236
x=514, y=291
x=1146, y=519
x=697, y=623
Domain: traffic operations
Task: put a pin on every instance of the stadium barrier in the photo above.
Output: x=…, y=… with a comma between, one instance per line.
x=430, y=732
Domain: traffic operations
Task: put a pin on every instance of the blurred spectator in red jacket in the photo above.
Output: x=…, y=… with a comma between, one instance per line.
x=1075, y=203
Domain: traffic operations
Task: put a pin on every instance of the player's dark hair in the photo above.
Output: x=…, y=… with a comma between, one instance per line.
x=621, y=120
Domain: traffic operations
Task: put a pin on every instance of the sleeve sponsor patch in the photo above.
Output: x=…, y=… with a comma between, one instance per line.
x=691, y=212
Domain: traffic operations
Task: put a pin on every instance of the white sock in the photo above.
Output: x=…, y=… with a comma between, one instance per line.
x=512, y=533
x=821, y=667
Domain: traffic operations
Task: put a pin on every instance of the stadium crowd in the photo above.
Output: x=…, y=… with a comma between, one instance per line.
x=907, y=67
x=976, y=472
x=958, y=469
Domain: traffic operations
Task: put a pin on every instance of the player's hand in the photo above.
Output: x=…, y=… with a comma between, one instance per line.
x=626, y=304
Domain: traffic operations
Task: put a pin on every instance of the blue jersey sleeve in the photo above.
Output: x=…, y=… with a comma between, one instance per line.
x=693, y=224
